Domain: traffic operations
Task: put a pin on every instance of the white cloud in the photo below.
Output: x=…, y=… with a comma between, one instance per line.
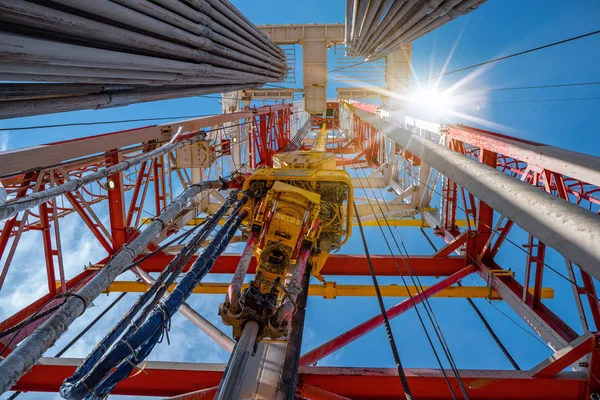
x=4, y=140
x=26, y=282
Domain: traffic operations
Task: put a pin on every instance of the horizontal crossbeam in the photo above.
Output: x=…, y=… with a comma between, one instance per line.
x=337, y=264
x=331, y=290
x=174, y=378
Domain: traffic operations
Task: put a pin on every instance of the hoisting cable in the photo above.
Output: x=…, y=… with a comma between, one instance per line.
x=97, y=377
x=411, y=297
x=437, y=357
x=417, y=282
x=386, y=321
x=479, y=314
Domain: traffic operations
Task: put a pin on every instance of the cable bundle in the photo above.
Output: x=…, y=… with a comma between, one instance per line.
x=103, y=369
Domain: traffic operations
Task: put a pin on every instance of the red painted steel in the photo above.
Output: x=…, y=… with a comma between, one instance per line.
x=336, y=264
x=270, y=132
x=314, y=393
x=559, y=361
x=354, y=383
x=116, y=202
x=360, y=330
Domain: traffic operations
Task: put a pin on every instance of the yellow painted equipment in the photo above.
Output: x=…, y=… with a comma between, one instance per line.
x=307, y=200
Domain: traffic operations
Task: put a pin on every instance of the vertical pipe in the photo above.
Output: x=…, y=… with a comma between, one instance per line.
x=233, y=292
x=231, y=383
x=291, y=364
x=286, y=310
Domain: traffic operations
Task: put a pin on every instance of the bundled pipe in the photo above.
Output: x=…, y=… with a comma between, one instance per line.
x=11, y=209
x=31, y=349
x=118, y=363
x=203, y=44
x=380, y=27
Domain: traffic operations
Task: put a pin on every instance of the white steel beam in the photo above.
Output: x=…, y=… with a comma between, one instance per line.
x=571, y=230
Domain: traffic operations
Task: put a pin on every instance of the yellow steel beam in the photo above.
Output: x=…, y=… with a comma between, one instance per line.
x=320, y=143
x=331, y=290
x=392, y=222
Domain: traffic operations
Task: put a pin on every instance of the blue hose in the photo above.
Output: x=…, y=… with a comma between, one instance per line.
x=90, y=380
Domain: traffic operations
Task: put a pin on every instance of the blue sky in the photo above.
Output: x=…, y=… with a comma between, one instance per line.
x=497, y=28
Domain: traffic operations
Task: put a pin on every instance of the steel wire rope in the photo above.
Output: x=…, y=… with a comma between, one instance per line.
x=516, y=245
x=549, y=86
x=428, y=309
x=494, y=60
x=431, y=344
x=383, y=311
x=506, y=238
x=425, y=300
x=501, y=346
x=419, y=293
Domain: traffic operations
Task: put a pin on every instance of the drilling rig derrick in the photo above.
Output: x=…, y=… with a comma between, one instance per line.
x=299, y=211
x=284, y=173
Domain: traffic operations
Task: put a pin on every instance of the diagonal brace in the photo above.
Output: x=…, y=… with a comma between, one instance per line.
x=360, y=330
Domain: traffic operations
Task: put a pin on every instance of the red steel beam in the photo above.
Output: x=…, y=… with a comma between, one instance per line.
x=556, y=332
x=452, y=246
x=537, y=155
x=338, y=264
x=360, y=330
x=48, y=250
x=172, y=379
x=566, y=356
x=116, y=202
x=311, y=392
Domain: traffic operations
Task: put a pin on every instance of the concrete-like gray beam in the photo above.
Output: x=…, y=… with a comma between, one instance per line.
x=571, y=230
